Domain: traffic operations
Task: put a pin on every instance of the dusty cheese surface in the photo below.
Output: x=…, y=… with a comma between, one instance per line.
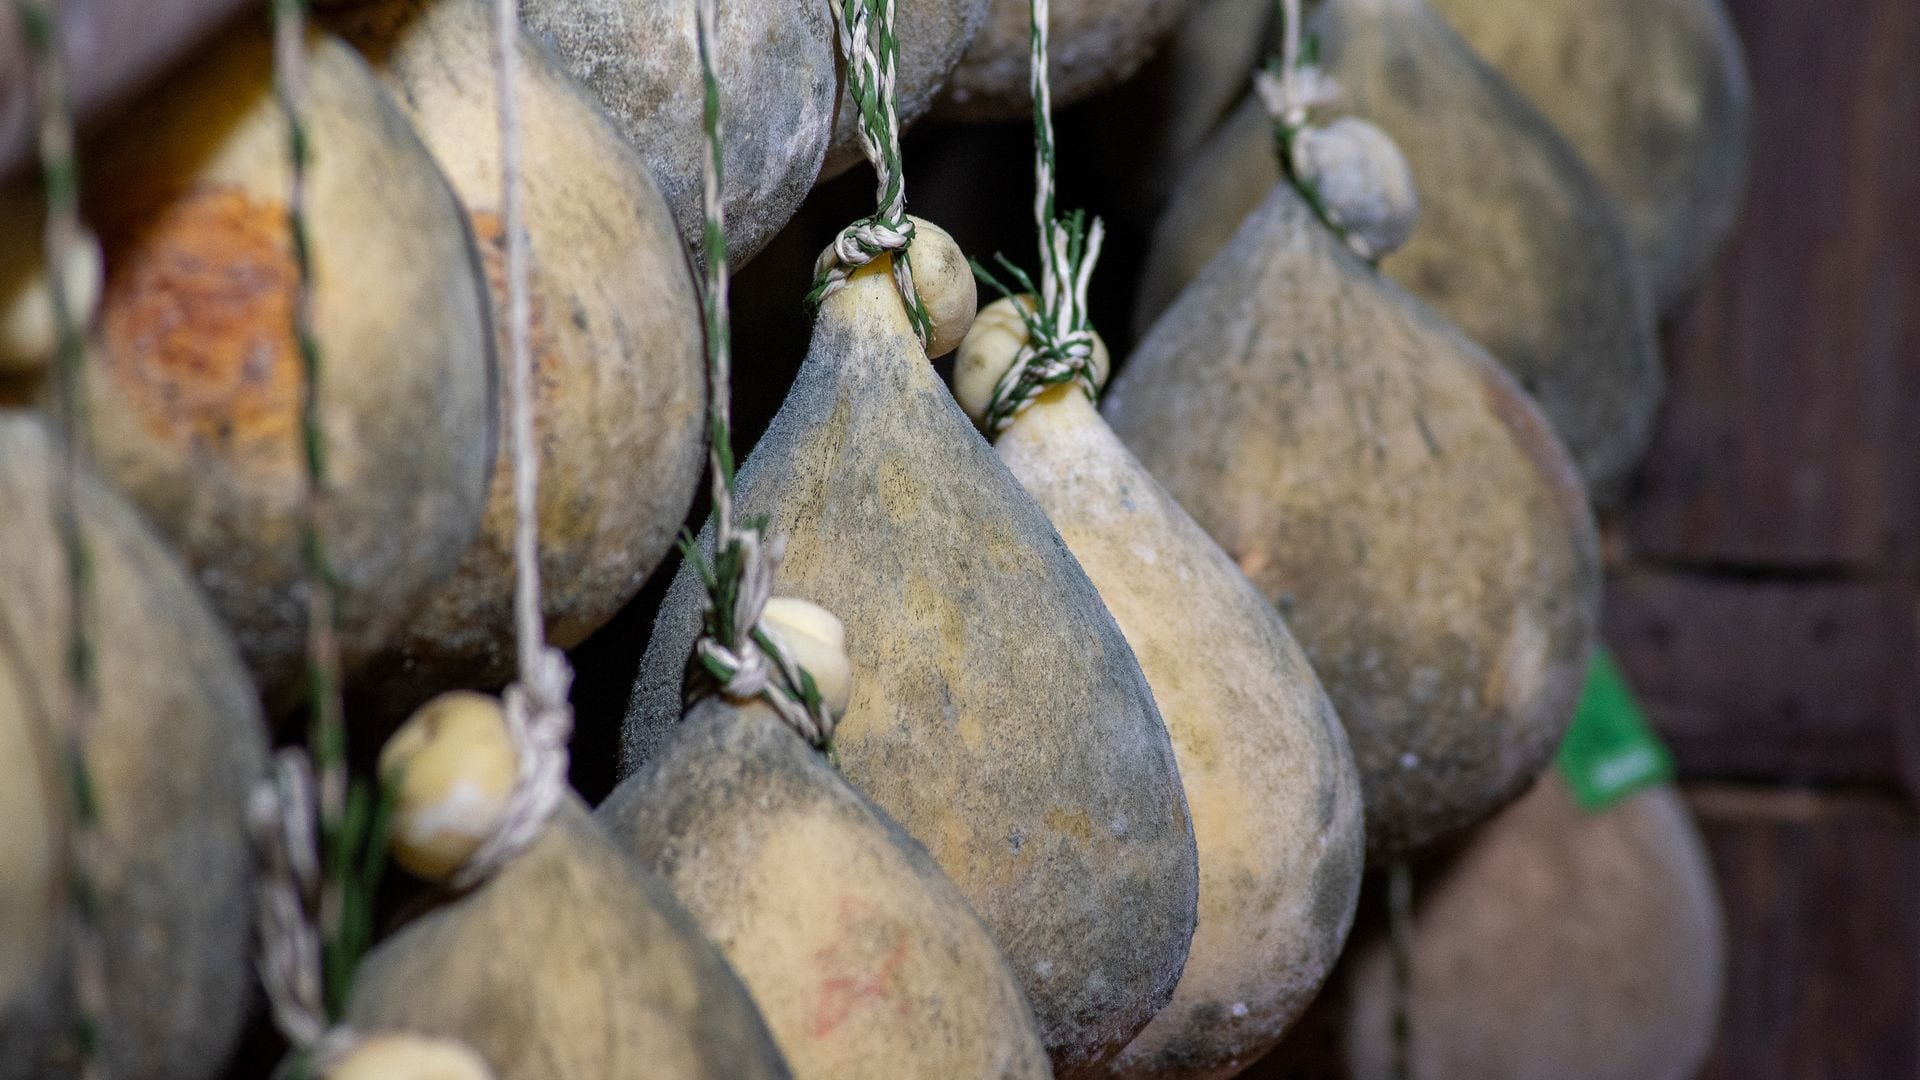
x=571, y=963
x=1270, y=780
x=997, y=714
x=1562, y=944
x=1383, y=482
x=864, y=957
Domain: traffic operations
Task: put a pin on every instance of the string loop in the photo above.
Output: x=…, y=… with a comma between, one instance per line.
x=734, y=651
x=1060, y=341
x=1349, y=171
x=538, y=716
x=871, y=57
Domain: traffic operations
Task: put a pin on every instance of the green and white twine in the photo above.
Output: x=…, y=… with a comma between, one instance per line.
x=64, y=240
x=1349, y=171
x=872, y=57
x=1060, y=342
x=319, y=838
x=1291, y=86
x=734, y=651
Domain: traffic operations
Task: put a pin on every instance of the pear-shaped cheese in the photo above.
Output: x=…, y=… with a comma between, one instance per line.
x=1380, y=479
x=997, y=713
x=933, y=34
x=1517, y=244
x=616, y=345
x=1560, y=944
x=1091, y=45
x=175, y=746
x=1654, y=96
x=1269, y=777
x=775, y=61
x=570, y=963
x=198, y=382
x=865, y=959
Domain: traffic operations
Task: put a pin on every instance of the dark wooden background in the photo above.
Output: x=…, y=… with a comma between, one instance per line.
x=1767, y=573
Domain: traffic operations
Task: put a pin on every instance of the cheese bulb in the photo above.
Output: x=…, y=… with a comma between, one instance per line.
x=451, y=768
x=409, y=1057
x=817, y=641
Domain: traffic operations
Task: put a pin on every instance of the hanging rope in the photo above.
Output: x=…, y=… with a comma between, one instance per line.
x=280, y=817
x=319, y=838
x=734, y=650
x=1292, y=86
x=871, y=56
x=64, y=240
x=538, y=716
x=1349, y=171
x=327, y=731
x=1060, y=342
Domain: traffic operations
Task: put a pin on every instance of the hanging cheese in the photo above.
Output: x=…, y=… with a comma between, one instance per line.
x=174, y=747
x=1518, y=245
x=616, y=346
x=777, y=74
x=997, y=713
x=865, y=959
x=1269, y=778
x=197, y=382
x=1654, y=96
x=1398, y=497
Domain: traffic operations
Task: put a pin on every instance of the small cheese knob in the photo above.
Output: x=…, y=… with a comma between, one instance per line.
x=451, y=766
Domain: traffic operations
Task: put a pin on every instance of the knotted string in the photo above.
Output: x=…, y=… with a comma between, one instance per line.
x=1060, y=342
x=1355, y=202
x=63, y=241
x=1291, y=86
x=288, y=890
x=872, y=55
x=319, y=838
x=734, y=651
x=538, y=716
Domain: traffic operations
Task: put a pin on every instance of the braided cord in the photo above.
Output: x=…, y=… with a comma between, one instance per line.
x=872, y=57
x=1291, y=86
x=538, y=715
x=63, y=239
x=1060, y=342
x=319, y=836
x=734, y=652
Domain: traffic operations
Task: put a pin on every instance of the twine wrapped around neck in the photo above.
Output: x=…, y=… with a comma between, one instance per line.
x=1060, y=344
x=538, y=716
x=734, y=650
x=1349, y=171
x=871, y=56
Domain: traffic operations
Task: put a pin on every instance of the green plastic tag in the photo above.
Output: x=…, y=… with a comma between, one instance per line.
x=1610, y=751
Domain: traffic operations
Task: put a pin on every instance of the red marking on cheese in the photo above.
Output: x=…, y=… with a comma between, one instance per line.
x=841, y=995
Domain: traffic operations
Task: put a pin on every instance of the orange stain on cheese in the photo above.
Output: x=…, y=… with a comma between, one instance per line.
x=197, y=319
